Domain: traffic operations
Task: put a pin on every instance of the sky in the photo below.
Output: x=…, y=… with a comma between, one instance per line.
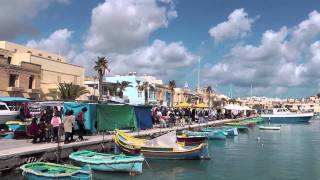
x=272, y=46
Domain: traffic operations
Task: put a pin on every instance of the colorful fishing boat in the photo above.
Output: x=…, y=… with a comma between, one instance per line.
x=107, y=162
x=191, y=141
x=255, y=120
x=283, y=115
x=240, y=126
x=229, y=131
x=51, y=171
x=217, y=134
x=162, y=147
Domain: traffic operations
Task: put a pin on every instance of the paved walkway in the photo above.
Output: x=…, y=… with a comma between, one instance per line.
x=11, y=148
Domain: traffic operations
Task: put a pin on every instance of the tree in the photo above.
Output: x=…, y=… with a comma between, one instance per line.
x=144, y=87
x=123, y=86
x=67, y=91
x=209, y=92
x=101, y=66
x=172, y=85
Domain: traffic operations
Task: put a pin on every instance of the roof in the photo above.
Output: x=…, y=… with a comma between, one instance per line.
x=13, y=99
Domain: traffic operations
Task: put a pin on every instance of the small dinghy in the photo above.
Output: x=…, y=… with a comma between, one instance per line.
x=51, y=171
x=270, y=127
x=107, y=162
x=217, y=134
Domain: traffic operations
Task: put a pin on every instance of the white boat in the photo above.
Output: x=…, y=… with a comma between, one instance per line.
x=270, y=127
x=283, y=115
x=6, y=114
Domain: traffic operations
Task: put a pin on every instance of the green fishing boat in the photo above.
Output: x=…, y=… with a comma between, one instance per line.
x=217, y=134
x=107, y=162
x=256, y=120
x=240, y=126
x=51, y=171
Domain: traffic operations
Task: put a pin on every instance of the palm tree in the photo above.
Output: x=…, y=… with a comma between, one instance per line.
x=123, y=86
x=67, y=91
x=144, y=87
x=209, y=91
x=172, y=85
x=101, y=66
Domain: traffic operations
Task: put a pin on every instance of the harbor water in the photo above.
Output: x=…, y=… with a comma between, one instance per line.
x=288, y=154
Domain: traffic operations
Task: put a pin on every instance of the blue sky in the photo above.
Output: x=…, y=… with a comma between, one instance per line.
x=272, y=45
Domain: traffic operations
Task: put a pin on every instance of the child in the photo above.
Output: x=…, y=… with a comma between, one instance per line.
x=56, y=121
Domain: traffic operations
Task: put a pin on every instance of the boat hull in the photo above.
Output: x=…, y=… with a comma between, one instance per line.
x=217, y=134
x=229, y=131
x=300, y=119
x=8, y=117
x=78, y=176
x=192, y=141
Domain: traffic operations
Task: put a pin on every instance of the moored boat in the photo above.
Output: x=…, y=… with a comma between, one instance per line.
x=240, y=126
x=191, y=141
x=6, y=114
x=107, y=162
x=229, y=131
x=283, y=115
x=217, y=134
x=162, y=147
x=51, y=171
x=269, y=127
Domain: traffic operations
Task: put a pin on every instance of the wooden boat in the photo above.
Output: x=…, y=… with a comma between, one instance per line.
x=107, y=162
x=255, y=120
x=191, y=141
x=240, y=126
x=270, y=127
x=217, y=134
x=229, y=131
x=51, y=171
x=162, y=147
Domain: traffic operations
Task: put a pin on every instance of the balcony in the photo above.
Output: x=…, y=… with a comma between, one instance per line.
x=33, y=91
x=15, y=89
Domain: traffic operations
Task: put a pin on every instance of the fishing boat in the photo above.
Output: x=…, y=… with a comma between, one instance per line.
x=107, y=162
x=274, y=127
x=283, y=115
x=6, y=114
x=240, y=126
x=217, y=134
x=191, y=141
x=162, y=147
x=255, y=120
x=51, y=171
x=229, y=131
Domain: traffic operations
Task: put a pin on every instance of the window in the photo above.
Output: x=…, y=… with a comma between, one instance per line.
x=3, y=107
x=12, y=80
x=139, y=94
x=31, y=79
x=9, y=60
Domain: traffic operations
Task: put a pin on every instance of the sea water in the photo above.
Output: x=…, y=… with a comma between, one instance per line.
x=289, y=154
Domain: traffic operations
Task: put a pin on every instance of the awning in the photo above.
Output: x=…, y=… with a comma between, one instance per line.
x=13, y=99
x=201, y=105
x=183, y=105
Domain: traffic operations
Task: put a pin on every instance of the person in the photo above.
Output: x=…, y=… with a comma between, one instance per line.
x=49, y=131
x=33, y=129
x=40, y=133
x=67, y=125
x=81, y=122
x=73, y=119
x=56, y=121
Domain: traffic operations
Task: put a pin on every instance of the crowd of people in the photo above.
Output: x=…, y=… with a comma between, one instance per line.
x=50, y=126
x=168, y=117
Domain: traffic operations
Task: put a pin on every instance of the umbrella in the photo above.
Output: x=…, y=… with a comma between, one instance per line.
x=183, y=105
x=201, y=105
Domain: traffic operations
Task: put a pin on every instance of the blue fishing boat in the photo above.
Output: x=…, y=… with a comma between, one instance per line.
x=217, y=134
x=283, y=115
x=229, y=131
x=51, y=171
x=107, y=162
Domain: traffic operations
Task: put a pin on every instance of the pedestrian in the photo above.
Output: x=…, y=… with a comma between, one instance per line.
x=56, y=121
x=67, y=125
x=73, y=119
x=81, y=122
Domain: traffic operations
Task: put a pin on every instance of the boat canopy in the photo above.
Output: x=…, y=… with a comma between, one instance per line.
x=5, y=99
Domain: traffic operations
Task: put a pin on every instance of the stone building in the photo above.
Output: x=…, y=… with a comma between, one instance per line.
x=19, y=80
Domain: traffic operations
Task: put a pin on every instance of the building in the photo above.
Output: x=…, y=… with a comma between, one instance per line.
x=132, y=93
x=54, y=68
x=22, y=80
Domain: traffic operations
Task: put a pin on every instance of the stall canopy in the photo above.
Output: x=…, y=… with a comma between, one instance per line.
x=90, y=115
x=143, y=115
x=201, y=105
x=183, y=105
x=237, y=107
x=111, y=117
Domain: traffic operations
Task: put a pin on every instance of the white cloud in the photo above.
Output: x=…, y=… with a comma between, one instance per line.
x=124, y=25
x=237, y=25
x=57, y=42
x=16, y=16
x=284, y=58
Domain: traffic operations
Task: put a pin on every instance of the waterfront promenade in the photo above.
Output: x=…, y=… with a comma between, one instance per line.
x=16, y=152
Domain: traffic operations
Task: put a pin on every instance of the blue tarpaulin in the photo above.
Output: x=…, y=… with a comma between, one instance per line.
x=4, y=98
x=90, y=116
x=143, y=116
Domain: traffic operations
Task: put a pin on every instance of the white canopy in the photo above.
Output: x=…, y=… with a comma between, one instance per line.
x=237, y=107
